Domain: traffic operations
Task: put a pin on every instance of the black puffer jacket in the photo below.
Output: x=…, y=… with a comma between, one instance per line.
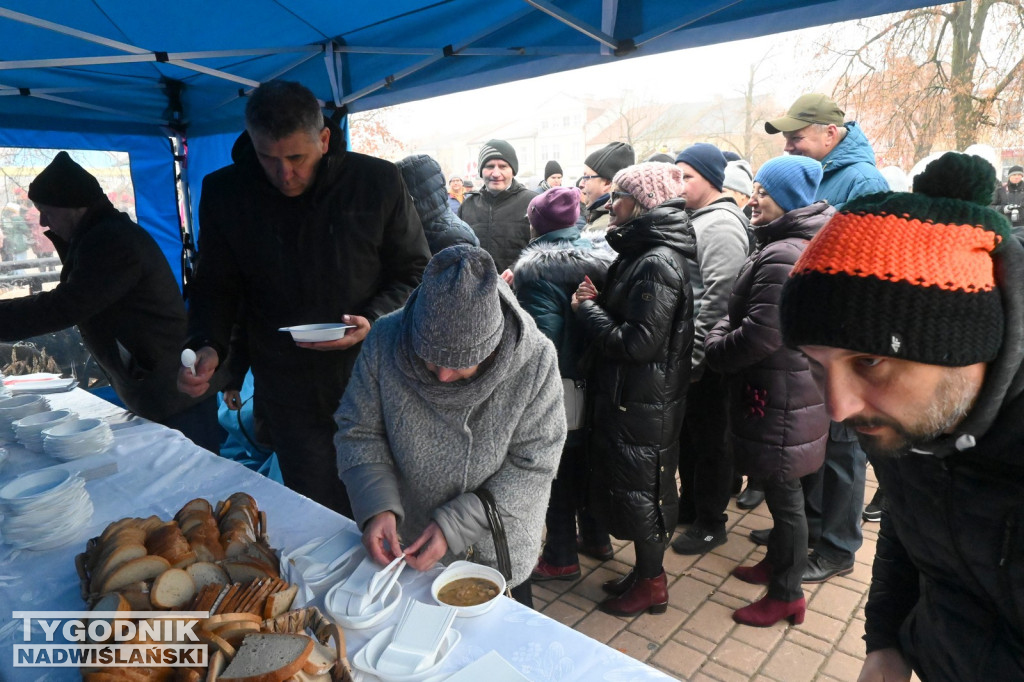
x=947, y=584
x=425, y=182
x=351, y=244
x=500, y=222
x=777, y=414
x=640, y=336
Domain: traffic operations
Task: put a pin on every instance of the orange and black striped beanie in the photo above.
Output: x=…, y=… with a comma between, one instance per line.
x=903, y=275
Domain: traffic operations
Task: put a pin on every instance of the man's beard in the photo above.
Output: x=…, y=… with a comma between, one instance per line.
x=954, y=397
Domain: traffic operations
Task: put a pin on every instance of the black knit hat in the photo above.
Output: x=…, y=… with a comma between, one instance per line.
x=908, y=276
x=610, y=159
x=552, y=168
x=65, y=184
x=498, y=149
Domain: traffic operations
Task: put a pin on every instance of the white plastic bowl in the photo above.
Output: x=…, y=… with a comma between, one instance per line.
x=311, y=333
x=40, y=419
x=33, y=485
x=467, y=569
x=12, y=409
x=75, y=428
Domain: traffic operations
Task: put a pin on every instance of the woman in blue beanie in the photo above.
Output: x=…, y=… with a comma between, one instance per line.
x=777, y=417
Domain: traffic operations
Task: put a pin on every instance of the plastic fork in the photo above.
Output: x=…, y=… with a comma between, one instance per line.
x=376, y=584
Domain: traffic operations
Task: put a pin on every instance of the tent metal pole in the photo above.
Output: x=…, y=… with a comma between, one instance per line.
x=217, y=73
x=333, y=65
x=681, y=24
x=574, y=23
x=298, y=62
x=96, y=107
x=419, y=66
x=68, y=31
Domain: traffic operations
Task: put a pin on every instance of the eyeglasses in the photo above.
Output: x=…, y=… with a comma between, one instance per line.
x=589, y=177
x=615, y=196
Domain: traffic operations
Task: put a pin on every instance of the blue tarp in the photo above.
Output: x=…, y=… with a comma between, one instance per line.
x=116, y=74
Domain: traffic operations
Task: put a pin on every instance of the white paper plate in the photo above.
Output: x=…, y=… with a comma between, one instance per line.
x=366, y=659
x=311, y=333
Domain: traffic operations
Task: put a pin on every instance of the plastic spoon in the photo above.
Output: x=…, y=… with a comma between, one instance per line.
x=188, y=359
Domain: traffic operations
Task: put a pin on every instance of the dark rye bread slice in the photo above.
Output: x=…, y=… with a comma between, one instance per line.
x=268, y=657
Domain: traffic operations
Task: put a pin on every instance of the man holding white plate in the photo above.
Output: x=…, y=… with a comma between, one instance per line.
x=298, y=231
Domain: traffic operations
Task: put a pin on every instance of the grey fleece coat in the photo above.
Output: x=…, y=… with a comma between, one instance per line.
x=409, y=444
x=722, y=248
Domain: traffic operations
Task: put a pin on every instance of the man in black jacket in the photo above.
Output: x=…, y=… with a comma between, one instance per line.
x=911, y=305
x=117, y=286
x=1010, y=198
x=497, y=213
x=297, y=231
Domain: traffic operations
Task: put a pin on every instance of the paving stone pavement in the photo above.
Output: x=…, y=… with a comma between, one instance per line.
x=697, y=639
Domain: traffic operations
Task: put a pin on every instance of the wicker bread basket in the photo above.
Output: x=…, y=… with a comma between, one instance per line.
x=308, y=621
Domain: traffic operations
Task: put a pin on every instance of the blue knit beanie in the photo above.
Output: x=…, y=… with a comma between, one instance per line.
x=791, y=181
x=706, y=159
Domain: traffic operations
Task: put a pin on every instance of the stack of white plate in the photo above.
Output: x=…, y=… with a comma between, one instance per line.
x=13, y=409
x=77, y=438
x=44, y=509
x=29, y=430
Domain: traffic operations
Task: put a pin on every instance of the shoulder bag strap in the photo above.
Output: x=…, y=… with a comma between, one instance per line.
x=497, y=531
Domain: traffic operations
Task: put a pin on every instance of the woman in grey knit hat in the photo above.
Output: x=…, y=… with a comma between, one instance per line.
x=456, y=391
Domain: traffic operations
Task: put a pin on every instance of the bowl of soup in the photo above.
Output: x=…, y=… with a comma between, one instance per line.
x=473, y=589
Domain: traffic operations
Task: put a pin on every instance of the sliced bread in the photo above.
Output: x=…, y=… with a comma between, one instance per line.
x=206, y=573
x=268, y=657
x=172, y=589
x=320, y=660
x=144, y=568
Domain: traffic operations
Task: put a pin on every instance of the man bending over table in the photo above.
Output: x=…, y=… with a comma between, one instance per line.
x=117, y=286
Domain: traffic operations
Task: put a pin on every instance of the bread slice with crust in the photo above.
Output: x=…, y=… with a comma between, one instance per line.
x=268, y=657
x=144, y=568
x=172, y=589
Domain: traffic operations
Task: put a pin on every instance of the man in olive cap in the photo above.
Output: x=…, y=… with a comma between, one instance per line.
x=814, y=126
x=117, y=286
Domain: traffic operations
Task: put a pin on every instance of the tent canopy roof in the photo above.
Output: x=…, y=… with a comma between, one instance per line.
x=136, y=66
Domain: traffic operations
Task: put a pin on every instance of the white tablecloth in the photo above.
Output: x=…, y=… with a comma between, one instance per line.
x=159, y=470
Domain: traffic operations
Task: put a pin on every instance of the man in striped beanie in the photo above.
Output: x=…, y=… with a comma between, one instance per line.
x=913, y=306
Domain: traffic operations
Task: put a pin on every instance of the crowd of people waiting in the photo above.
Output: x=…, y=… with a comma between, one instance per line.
x=603, y=359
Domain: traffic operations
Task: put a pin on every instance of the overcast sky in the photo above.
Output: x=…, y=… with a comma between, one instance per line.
x=686, y=75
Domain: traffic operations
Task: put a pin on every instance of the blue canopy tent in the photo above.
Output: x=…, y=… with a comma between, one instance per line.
x=128, y=74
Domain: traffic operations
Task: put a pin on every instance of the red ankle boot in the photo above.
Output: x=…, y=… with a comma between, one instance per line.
x=645, y=594
x=619, y=585
x=758, y=574
x=768, y=612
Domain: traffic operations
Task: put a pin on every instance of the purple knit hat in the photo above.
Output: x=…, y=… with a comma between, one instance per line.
x=651, y=183
x=555, y=209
